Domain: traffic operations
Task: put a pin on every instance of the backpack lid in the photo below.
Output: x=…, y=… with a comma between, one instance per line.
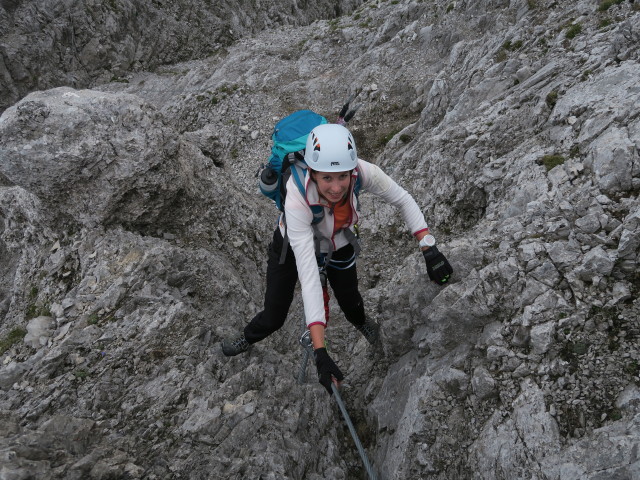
x=290, y=134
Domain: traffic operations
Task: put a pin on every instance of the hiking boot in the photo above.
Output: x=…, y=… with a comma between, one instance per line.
x=370, y=330
x=234, y=346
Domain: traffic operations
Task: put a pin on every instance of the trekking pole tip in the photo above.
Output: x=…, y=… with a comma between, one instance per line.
x=352, y=112
x=345, y=107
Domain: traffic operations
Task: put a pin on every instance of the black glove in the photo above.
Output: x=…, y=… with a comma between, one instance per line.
x=438, y=267
x=326, y=368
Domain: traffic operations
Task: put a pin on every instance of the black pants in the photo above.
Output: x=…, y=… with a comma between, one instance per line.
x=281, y=283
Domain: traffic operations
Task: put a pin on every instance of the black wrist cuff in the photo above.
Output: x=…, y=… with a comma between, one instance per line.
x=430, y=252
x=320, y=353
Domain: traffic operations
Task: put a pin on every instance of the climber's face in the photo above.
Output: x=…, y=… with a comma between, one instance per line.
x=332, y=186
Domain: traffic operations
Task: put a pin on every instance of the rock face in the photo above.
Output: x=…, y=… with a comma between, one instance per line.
x=47, y=44
x=132, y=240
x=90, y=170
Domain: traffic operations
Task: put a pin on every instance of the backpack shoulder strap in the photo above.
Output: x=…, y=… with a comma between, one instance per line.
x=298, y=174
x=356, y=190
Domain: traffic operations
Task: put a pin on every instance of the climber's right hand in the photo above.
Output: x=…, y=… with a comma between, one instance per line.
x=328, y=371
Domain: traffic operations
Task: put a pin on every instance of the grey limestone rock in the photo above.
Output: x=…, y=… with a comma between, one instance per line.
x=131, y=221
x=50, y=44
x=38, y=331
x=89, y=170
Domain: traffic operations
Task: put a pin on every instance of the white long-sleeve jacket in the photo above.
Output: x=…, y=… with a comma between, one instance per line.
x=300, y=230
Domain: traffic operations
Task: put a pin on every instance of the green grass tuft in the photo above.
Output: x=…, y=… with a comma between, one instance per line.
x=607, y=4
x=550, y=161
x=14, y=336
x=552, y=98
x=574, y=30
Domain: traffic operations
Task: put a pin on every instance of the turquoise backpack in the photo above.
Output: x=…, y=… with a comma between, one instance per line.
x=287, y=158
x=289, y=140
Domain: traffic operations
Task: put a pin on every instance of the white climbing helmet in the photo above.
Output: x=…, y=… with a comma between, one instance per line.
x=331, y=148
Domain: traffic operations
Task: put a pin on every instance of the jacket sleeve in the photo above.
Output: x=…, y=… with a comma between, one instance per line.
x=375, y=181
x=298, y=218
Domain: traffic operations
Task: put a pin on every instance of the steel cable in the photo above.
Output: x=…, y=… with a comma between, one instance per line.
x=363, y=454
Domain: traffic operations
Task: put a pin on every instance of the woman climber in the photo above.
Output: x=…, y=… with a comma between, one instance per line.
x=316, y=232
